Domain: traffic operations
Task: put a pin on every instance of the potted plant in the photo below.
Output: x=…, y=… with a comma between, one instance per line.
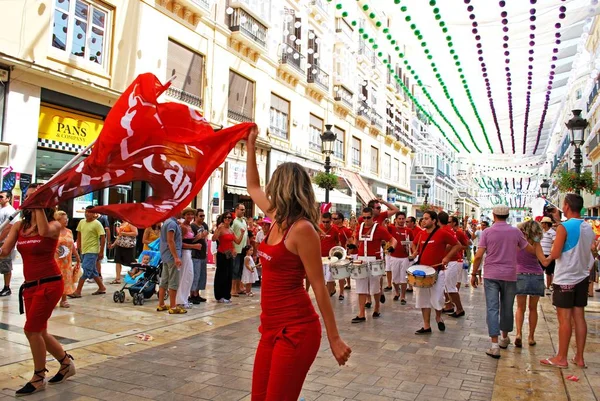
x=326, y=180
x=570, y=181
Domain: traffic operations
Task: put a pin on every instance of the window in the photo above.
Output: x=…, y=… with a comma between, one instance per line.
x=188, y=69
x=374, y=160
x=315, y=129
x=241, y=98
x=292, y=29
x=403, y=173
x=419, y=190
x=279, y=116
x=79, y=29
x=356, y=151
x=395, y=170
x=313, y=49
x=339, y=145
x=387, y=164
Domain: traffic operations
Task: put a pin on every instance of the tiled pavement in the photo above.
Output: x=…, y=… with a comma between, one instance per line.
x=208, y=355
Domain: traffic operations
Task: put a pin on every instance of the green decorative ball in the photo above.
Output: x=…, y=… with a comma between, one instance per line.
x=338, y=6
x=432, y=3
x=361, y=30
x=378, y=24
x=345, y=14
x=407, y=18
x=375, y=46
x=429, y=57
x=386, y=30
x=413, y=26
x=372, y=15
x=365, y=7
x=423, y=44
x=393, y=41
x=371, y=40
x=438, y=17
x=403, y=9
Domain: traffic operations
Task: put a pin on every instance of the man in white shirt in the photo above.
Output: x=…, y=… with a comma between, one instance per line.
x=546, y=243
x=6, y=211
x=572, y=251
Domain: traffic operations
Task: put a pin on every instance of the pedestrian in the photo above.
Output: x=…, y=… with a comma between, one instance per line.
x=64, y=257
x=199, y=257
x=345, y=236
x=186, y=272
x=6, y=212
x=398, y=259
x=103, y=219
x=573, y=256
x=500, y=244
x=151, y=234
x=548, y=238
x=431, y=248
x=290, y=328
x=329, y=238
x=171, y=244
x=36, y=237
x=124, y=246
x=249, y=275
x=239, y=227
x=530, y=281
x=226, y=257
x=455, y=266
x=91, y=240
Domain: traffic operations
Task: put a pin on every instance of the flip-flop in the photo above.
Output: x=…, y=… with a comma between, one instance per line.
x=99, y=292
x=74, y=295
x=572, y=360
x=548, y=362
x=115, y=282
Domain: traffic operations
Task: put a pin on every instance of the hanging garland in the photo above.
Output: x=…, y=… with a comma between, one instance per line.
x=504, y=21
x=532, y=27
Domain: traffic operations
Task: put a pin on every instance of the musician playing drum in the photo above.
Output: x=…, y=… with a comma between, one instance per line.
x=369, y=235
x=329, y=239
x=430, y=246
x=399, y=258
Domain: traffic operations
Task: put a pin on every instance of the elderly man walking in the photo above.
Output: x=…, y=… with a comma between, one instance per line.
x=500, y=244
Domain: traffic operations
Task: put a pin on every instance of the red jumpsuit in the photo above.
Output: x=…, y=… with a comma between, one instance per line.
x=290, y=327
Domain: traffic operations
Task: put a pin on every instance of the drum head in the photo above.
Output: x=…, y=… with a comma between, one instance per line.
x=427, y=269
x=328, y=260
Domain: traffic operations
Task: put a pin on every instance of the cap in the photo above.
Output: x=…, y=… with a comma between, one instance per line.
x=267, y=220
x=501, y=210
x=546, y=219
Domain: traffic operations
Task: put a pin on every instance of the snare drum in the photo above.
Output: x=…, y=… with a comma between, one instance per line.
x=340, y=270
x=426, y=281
x=359, y=269
x=376, y=268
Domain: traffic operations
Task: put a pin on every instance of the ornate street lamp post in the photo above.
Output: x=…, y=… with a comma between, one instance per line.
x=544, y=187
x=426, y=187
x=577, y=126
x=327, y=142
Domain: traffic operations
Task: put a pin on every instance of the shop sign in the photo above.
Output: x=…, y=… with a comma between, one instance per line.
x=236, y=174
x=69, y=127
x=80, y=203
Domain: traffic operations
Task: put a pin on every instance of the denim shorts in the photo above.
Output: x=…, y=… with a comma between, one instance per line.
x=88, y=265
x=530, y=284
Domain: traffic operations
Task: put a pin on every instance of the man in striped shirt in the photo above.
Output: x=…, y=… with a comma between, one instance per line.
x=546, y=243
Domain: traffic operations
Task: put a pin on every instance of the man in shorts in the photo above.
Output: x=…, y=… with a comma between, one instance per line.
x=6, y=211
x=398, y=260
x=199, y=257
x=103, y=219
x=573, y=255
x=171, y=243
x=547, y=240
x=91, y=239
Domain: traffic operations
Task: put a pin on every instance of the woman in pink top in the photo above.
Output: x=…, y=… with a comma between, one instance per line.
x=530, y=280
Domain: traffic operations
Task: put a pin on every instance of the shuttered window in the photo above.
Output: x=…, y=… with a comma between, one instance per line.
x=315, y=129
x=339, y=147
x=241, y=98
x=279, y=116
x=188, y=68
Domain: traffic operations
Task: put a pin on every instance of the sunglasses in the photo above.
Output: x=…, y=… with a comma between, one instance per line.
x=227, y=218
x=201, y=215
x=367, y=217
x=336, y=218
x=377, y=207
x=326, y=221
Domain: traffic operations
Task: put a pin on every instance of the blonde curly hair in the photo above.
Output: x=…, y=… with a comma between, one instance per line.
x=532, y=229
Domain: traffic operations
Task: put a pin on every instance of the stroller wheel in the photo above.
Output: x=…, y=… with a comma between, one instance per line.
x=121, y=296
x=135, y=299
x=141, y=299
x=116, y=296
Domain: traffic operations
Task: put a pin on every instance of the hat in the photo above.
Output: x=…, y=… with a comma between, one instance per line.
x=546, y=219
x=501, y=210
x=267, y=220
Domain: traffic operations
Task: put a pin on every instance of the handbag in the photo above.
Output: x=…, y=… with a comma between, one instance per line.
x=123, y=241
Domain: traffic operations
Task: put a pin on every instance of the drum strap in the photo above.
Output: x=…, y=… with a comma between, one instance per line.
x=427, y=242
x=367, y=238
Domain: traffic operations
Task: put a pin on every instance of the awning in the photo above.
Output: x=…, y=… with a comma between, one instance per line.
x=360, y=186
x=335, y=196
x=236, y=190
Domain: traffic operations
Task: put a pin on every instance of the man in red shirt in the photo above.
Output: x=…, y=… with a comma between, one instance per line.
x=430, y=246
x=399, y=258
x=411, y=224
x=379, y=217
x=329, y=239
x=345, y=236
x=454, y=269
x=369, y=235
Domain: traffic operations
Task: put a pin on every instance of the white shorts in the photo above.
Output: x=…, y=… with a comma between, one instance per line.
x=464, y=276
x=453, y=275
x=368, y=286
x=399, y=268
x=431, y=297
x=388, y=264
x=327, y=274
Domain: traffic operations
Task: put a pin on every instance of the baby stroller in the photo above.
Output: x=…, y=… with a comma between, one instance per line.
x=143, y=286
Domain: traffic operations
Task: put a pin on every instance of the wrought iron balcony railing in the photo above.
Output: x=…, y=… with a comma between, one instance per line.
x=363, y=109
x=342, y=94
x=317, y=76
x=241, y=21
x=184, y=96
x=293, y=57
x=234, y=115
x=376, y=120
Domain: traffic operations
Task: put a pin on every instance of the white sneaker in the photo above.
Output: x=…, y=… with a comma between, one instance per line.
x=227, y=301
x=493, y=352
x=503, y=342
x=221, y=301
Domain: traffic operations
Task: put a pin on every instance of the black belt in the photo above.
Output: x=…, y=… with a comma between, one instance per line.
x=34, y=283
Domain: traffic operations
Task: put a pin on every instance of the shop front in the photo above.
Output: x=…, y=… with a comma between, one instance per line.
x=402, y=199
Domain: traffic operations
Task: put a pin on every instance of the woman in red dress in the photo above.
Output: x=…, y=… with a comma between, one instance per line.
x=36, y=238
x=290, y=328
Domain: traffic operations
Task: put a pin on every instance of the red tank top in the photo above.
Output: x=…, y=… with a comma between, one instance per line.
x=283, y=299
x=225, y=243
x=38, y=256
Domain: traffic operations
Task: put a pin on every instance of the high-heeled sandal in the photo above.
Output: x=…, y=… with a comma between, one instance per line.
x=65, y=371
x=30, y=388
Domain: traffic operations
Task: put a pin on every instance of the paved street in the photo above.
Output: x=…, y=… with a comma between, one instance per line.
x=208, y=355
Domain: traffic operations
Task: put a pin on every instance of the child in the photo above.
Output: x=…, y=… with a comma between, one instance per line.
x=249, y=275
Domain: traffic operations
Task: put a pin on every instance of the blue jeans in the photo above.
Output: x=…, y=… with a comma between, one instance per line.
x=499, y=300
x=199, y=283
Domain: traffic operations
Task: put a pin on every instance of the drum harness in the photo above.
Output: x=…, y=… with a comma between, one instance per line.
x=367, y=238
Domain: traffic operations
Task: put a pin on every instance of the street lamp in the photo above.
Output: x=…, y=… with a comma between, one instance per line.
x=544, y=187
x=426, y=187
x=577, y=126
x=457, y=203
x=327, y=142
x=473, y=212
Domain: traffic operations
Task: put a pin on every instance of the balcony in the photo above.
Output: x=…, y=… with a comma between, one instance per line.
x=291, y=64
x=185, y=97
x=343, y=96
x=363, y=114
x=377, y=64
x=318, y=9
x=593, y=95
x=318, y=79
x=376, y=120
x=248, y=35
x=236, y=116
x=344, y=30
x=593, y=143
x=365, y=52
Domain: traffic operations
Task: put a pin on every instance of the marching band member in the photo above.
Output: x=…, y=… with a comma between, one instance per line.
x=369, y=235
x=454, y=269
x=329, y=238
x=430, y=246
x=345, y=237
x=399, y=258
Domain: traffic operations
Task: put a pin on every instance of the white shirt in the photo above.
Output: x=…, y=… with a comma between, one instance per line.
x=547, y=240
x=6, y=212
x=576, y=258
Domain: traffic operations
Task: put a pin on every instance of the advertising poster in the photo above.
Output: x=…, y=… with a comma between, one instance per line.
x=79, y=205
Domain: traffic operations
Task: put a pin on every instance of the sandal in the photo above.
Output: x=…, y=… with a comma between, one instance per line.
x=99, y=292
x=65, y=304
x=73, y=295
x=66, y=370
x=548, y=362
x=115, y=282
x=30, y=388
x=518, y=342
x=572, y=360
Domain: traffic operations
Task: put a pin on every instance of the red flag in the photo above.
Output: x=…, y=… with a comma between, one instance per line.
x=168, y=145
